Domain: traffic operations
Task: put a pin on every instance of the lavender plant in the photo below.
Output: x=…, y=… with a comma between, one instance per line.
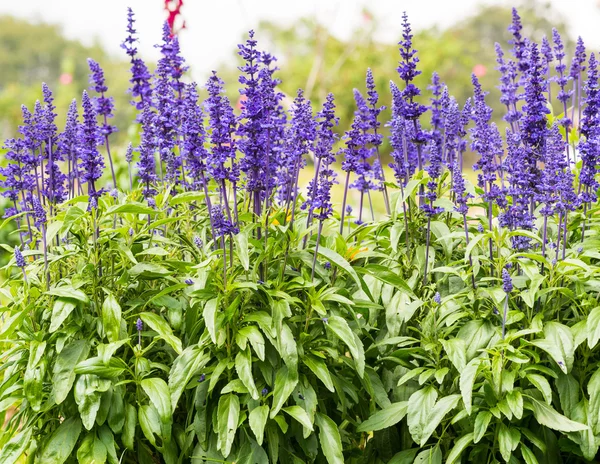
x=196, y=316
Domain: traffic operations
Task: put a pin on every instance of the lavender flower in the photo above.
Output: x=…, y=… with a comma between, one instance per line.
x=458, y=187
x=319, y=192
x=146, y=164
x=486, y=141
x=589, y=145
x=39, y=214
x=103, y=105
x=189, y=281
x=67, y=147
x=140, y=77
x=519, y=43
x=221, y=224
x=299, y=139
x=507, y=284
x=221, y=162
x=19, y=259
x=202, y=378
x=139, y=325
x=437, y=298
x=508, y=88
x=192, y=129
x=250, y=127
x=171, y=62
x=92, y=163
x=578, y=63
x=198, y=242
x=264, y=391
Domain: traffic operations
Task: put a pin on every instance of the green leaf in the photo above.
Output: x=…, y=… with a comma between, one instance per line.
x=481, y=424
x=329, y=437
x=14, y=449
x=133, y=208
x=384, y=418
x=159, y=325
x=287, y=347
x=158, y=392
x=300, y=415
x=186, y=197
x=60, y=311
x=420, y=405
x=243, y=367
x=70, y=293
x=209, y=313
x=467, y=381
x=228, y=413
x=88, y=397
x=340, y=262
x=285, y=382
x=64, y=368
x=149, y=422
x=253, y=334
x=528, y=455
x=459, y=446
x=456, y=349
x=404, y=457
x=551, y=418
x=319, y=368
x=542, y=385
x=558, y=344
x=429, y=456
x=60, y=445
x=258, y=419
x=129, y=427
x=241, y=247
x=341, y=329
x=508, y=440
x=148, y=271
x=439, y=411
x=515, y=403
x=111, y=318
x=184, y=368
x=91, y=451
x=384, y=274
x=593, y=327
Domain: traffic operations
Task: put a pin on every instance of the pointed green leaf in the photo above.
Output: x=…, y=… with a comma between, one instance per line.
x=258, y=419
x=329, y=437
x=384, y=418
x=228, y=413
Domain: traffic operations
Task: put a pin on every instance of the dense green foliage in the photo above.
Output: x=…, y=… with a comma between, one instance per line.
x=358, y=365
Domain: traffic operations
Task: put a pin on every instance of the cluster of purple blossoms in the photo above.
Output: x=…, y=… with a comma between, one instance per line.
x=527, y=171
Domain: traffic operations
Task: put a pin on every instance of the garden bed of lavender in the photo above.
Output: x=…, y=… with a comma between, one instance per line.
x=209, y=308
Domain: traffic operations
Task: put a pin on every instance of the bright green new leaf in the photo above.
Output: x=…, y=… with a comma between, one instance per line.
x=319, y=368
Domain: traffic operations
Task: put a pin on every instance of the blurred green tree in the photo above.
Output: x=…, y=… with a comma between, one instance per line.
x=34, y=53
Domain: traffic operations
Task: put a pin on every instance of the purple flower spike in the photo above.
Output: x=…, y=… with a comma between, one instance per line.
x=19, y=259
x=507, y=284
x=91, y=160
x=139, y=325
x=140, y=76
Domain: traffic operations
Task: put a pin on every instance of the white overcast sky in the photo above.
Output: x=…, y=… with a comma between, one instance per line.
x=215, y=26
